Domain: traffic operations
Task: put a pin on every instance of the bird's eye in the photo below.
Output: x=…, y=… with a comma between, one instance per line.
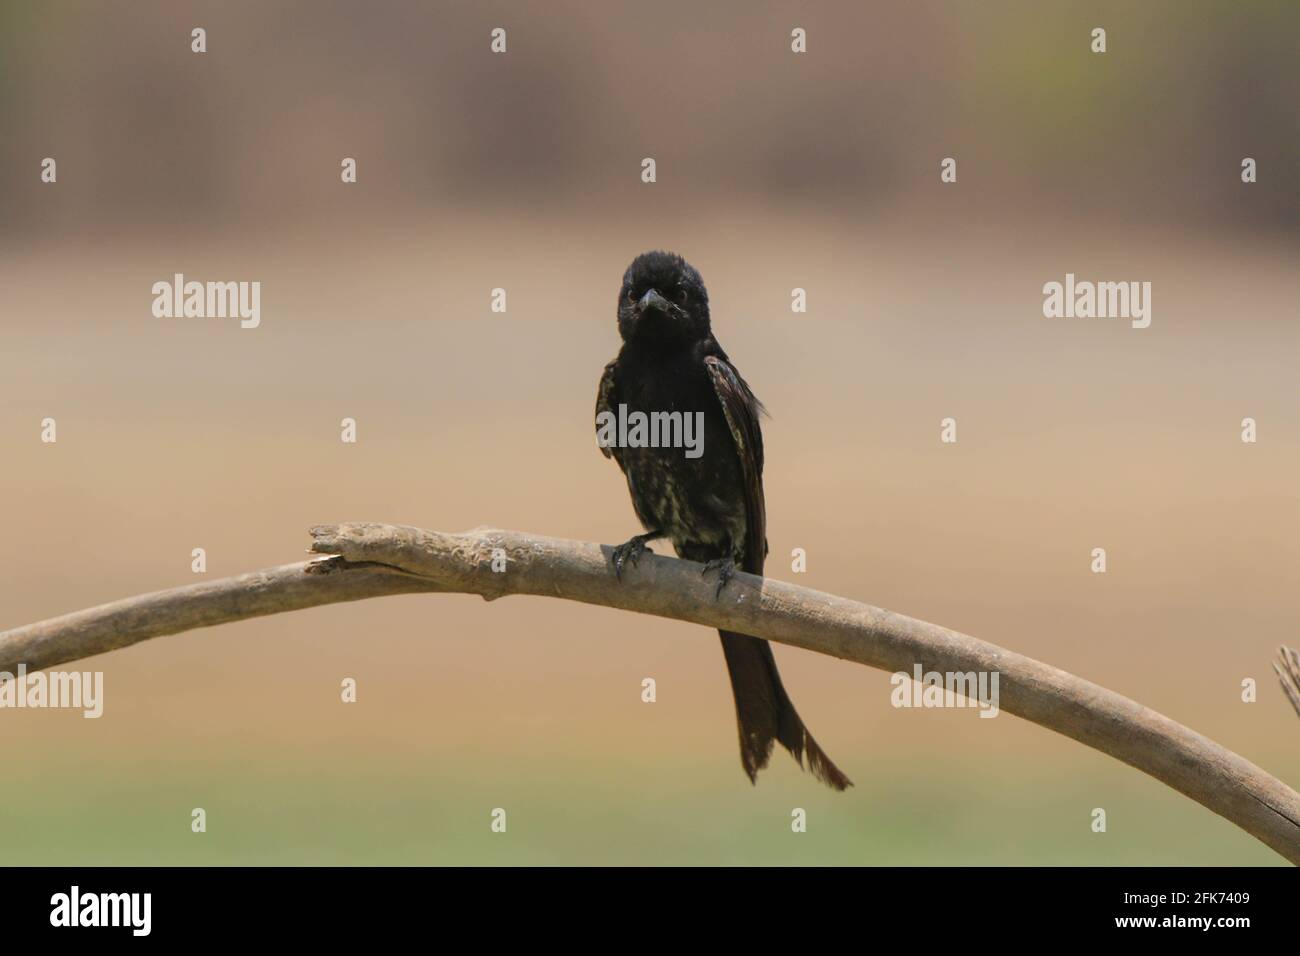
x=631, y=295
x=682, y=296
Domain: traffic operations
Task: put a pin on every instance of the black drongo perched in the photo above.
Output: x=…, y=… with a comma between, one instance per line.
x=709, y=503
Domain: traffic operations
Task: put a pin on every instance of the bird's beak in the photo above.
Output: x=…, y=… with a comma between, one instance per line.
x=653, y=300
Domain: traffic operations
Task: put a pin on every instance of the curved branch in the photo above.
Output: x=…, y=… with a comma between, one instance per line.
x=373, y=560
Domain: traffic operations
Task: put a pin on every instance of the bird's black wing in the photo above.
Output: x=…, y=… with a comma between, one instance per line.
x=607, y=401
x=742, y=410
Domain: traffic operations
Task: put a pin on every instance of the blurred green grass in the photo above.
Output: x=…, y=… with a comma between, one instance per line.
x=296, y=812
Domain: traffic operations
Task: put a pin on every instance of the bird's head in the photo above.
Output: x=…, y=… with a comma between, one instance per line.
x=662, y=301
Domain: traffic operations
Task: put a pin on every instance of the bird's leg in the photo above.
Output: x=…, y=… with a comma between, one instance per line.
x=726, y=568
x=632, y=551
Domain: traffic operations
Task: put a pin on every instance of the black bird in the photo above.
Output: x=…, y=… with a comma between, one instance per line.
x=711, y=507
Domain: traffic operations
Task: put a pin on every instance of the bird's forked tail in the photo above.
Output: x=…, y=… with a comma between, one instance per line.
x=764, y=713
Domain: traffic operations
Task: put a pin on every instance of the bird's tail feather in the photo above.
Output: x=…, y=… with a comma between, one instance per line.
x=764, y=713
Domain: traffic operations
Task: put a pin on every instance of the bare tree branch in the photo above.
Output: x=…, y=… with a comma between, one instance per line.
x=373, y=560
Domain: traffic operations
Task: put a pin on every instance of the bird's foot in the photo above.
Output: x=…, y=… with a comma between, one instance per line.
x=630, y=551
x=726, y=568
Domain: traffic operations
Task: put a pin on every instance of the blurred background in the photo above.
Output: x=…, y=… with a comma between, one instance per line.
x=522, y=171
